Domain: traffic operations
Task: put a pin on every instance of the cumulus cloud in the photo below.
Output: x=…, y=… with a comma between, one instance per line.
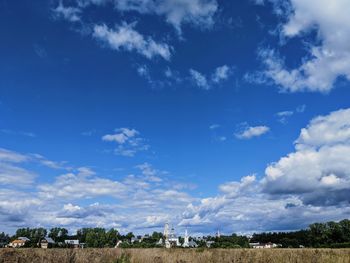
x=128, y=141
x=234, y=189
x=329, y=56
x=318, y=171
x=249, y=132
x=309, y=185
x=125, y=37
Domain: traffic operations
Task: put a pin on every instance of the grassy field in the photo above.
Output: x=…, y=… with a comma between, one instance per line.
x=175, y=255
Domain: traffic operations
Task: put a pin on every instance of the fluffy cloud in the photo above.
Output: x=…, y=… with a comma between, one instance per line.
x=326, y=61
x=249, y=132
x=234, y=189
x=127, y=38
x=318, y=171
x=308, y=185
x=128, y=141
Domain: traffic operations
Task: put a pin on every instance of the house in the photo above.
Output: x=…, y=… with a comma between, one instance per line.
x=17, y=243
x=47, y=242
x=24, y=239
x=263, y=245
x=74, y=243
x=192, y=244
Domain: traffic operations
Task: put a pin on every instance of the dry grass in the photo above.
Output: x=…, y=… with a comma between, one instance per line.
x=175, y=255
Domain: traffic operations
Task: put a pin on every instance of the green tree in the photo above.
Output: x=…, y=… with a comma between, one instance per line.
x=96, y=237
x=58, y=234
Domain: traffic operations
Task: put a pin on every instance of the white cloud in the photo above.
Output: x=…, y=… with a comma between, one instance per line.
x=14, y=175
x=327, y=130
x=253, y=131
x=234, y=189
x=176, y=12
x=126, y=37
x=123, y=135
x=327, y=61
x=284, y=113
x=283, y=116
x=221, y=73
x=128, y=141
x=11, y=156
x=300, y=108
x=199, y=79
x=150, y=173
x=71, y=14
x=80, y=186
x=214, y=126
x=318, y=171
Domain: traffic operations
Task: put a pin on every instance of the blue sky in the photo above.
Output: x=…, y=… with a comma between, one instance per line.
x=206, y=114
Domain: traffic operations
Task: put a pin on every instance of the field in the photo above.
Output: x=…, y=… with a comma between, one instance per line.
x=175, y=255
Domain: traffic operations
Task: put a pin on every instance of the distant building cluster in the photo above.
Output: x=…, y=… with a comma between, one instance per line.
x=167, y=239
x=264, y=245
x=46, y=242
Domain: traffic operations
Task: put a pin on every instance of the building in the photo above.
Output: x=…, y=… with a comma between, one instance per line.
x=192, y=244
x=186, y=240
x=24, y=239
x=170, y=238
x=17, y=243
x=263, y=245
x=47, y=242
x=74, y=243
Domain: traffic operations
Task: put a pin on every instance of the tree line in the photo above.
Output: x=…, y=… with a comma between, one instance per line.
x=330, y=234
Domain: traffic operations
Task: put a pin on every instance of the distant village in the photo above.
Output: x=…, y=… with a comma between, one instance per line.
x=168, y=239
x=330, y=234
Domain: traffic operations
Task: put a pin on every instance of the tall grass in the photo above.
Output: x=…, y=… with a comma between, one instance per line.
x=157, y=255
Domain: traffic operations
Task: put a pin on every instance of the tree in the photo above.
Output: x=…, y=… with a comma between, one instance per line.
x=58, y=234
x=96, y=237
x=4, y=239
x=129, y=236
x=112, y=237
